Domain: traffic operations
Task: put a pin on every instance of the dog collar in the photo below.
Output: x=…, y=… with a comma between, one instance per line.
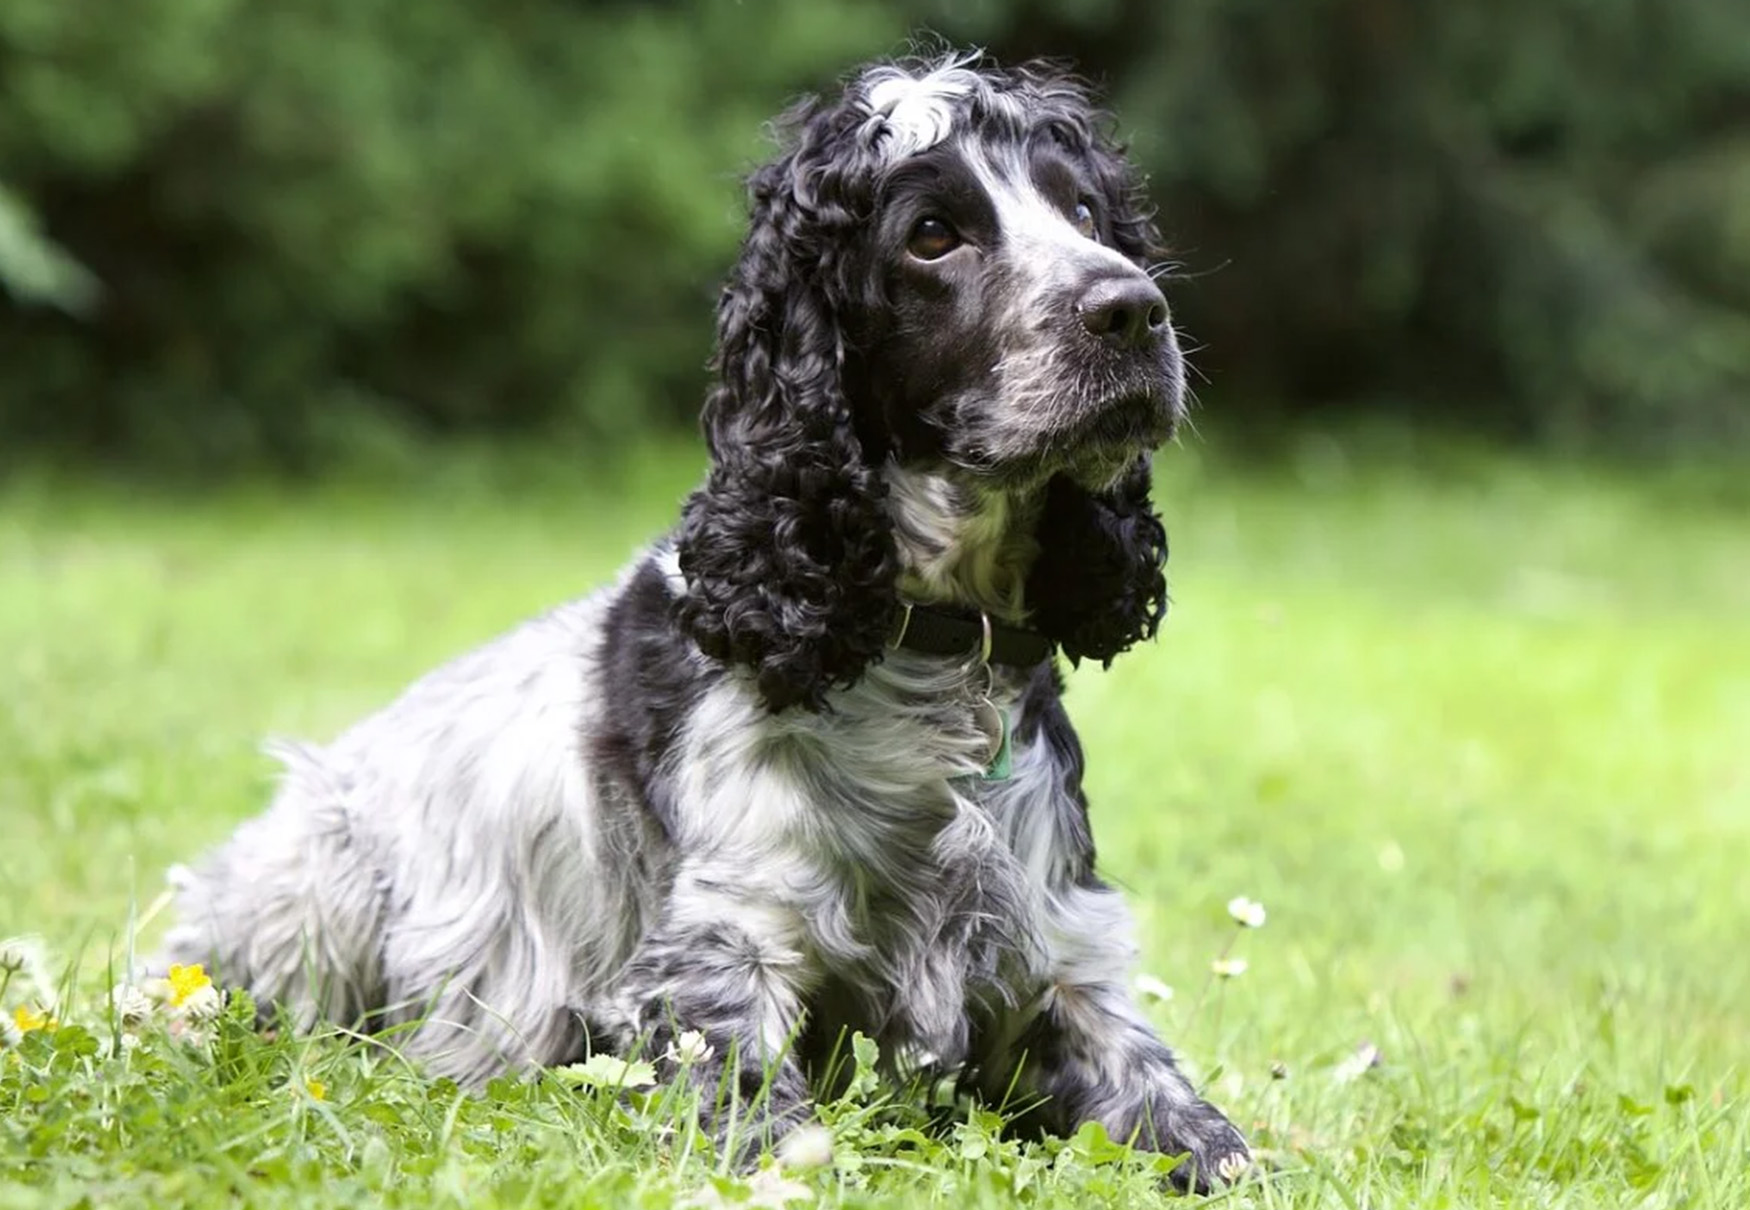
x=932, y=631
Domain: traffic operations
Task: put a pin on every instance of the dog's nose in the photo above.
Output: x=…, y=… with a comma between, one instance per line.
x=1128, y=312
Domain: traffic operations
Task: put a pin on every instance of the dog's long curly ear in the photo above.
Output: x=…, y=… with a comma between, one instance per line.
x=1099, y=585
x=787, y=549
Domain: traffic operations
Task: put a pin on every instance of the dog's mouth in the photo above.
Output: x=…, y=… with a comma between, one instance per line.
x=1102, y=442
x=1130, y=422
x=1090, y=437
x=1096, y=444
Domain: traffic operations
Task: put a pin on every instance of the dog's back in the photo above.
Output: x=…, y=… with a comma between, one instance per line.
x=450, y=832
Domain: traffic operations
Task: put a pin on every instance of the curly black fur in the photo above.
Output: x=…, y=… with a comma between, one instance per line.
x=1099, y=585
x=787, y=548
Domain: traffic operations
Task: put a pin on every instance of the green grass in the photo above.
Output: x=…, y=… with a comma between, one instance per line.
x=1476, y=730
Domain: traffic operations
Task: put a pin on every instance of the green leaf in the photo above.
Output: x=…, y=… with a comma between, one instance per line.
x=1095, y=1147
x=607, y=1071
x=1026, y=1171
x=865, y=1054
x=35, y=269
x=1630, y=1107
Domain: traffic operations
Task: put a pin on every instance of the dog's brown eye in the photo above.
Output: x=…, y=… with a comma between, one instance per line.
x=1084, y=220
x=932, y=239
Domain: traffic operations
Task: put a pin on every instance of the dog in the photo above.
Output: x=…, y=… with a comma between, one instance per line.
x=805, y=768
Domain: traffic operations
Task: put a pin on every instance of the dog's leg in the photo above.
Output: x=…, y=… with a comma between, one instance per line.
x=1093, y=1057
x=733, y=971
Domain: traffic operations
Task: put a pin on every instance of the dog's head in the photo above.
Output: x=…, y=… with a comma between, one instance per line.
x=945, y=271
x=1017, y=333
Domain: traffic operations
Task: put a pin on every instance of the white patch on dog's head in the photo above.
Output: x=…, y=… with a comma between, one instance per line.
x=913, y=113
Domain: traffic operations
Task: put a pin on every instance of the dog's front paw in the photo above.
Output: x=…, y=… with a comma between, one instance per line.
x=1215, y=1153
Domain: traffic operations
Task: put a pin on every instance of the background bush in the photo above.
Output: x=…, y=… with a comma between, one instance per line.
x=239, y=228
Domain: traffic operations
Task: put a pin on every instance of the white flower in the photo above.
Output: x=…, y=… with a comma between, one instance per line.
x=772, y=1190
x=108, y=1047
x=1364, y=1060
x=191, y=1035
x=1247, y=913
x=16, y=953
x=689, y=1047
x=806, y=1147
x=769, y=1190
x=10, y=1033
x=133, y=1007
x=28, y=955
x=1151, y=988
x=1228, y=968
x=203, y=1004
x=707, y=1197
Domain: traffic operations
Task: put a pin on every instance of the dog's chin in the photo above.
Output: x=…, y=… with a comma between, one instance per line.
x=1117, y=432
x=1102, y=469
x=1100, y=444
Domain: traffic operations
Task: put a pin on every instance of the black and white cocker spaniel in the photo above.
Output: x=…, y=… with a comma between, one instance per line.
x=805, y=768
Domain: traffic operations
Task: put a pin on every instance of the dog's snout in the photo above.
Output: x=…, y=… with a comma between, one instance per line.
x=1128, y=312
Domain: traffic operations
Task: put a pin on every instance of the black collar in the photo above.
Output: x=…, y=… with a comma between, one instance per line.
x=934, y=631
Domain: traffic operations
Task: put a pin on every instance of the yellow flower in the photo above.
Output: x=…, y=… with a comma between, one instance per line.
x=27, y=1019
x=317, y=1089
x=185, y=981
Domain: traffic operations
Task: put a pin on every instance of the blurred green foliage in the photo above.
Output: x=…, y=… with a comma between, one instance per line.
x=236, y=228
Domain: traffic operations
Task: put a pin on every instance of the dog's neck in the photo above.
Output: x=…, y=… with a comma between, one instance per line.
x=962, y=543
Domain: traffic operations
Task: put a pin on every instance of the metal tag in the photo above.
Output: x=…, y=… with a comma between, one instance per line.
x=995, y=724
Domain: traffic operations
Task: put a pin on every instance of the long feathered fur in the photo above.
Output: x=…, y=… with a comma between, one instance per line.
x=710, y=797
x=1098, y=586
x=787, y=546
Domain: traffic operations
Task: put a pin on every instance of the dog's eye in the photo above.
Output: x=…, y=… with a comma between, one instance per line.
x=1084, y=220
x=932, y=239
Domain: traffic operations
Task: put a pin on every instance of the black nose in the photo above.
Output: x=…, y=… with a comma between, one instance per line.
x=1128, y=312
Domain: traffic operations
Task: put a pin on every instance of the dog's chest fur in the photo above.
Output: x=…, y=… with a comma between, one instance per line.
x=914, y=881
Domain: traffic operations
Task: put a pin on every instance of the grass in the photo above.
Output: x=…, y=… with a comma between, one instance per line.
x=1474, y=729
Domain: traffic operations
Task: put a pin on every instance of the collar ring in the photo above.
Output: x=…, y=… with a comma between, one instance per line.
x=898, y=640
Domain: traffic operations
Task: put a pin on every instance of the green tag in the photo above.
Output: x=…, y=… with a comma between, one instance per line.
x=1001, y=766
